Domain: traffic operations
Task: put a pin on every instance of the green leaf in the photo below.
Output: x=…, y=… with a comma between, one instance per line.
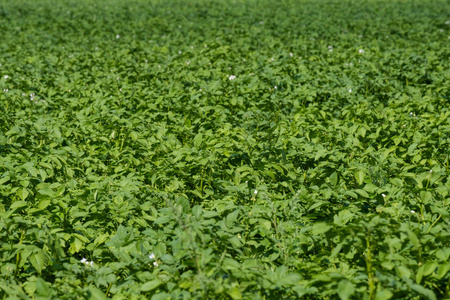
x=38, y=260
x=321, y=153
x=235, y=241
x=413, y=238
x=291, y=279
x=22, y=193
x=442, y=270
x=18, y=204
x=351, y=194
x=427, y=293
x=161, y=296
x=266, y=224
x=317, y=204
x=403, y=272
x=43, y=288
x=4, y=180
x=345, y=289
x=320, y=228
x=362, y=193
x=303, y=290
x=43, y=204
x=150, y=285
x=94, y=293
x=235, y=293
x=383, y=294
x=198, y=140
x=75, y=246
x=334, y=177
x=359, y=176
x=47, y=191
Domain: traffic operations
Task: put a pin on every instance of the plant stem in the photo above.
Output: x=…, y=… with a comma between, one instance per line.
x=109, y=288
x=370, y=269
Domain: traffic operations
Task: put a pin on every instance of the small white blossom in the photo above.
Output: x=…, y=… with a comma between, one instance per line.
x=384, y=196
x=86, y=262
x=232, y=77
x=256, y=192
x=152, y=256
x=413, y=212
x=146, y=61
x=117, y=36
x=6, y=76
x=179, y=52
x=350, y=91
x=275, y=87
x=361, y=51
x=431, y=171
x=291, y=54
x=155, y=263
x=447, y=22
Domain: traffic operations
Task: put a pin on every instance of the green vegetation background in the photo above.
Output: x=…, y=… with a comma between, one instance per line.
x=224, y=149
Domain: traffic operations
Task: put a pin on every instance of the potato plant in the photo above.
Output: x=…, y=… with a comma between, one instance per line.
x=240, y=149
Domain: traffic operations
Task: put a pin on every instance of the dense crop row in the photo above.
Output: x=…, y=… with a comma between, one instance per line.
x=216, y=149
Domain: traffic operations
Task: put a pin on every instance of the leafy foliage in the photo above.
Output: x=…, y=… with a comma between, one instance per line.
x=176, y=150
